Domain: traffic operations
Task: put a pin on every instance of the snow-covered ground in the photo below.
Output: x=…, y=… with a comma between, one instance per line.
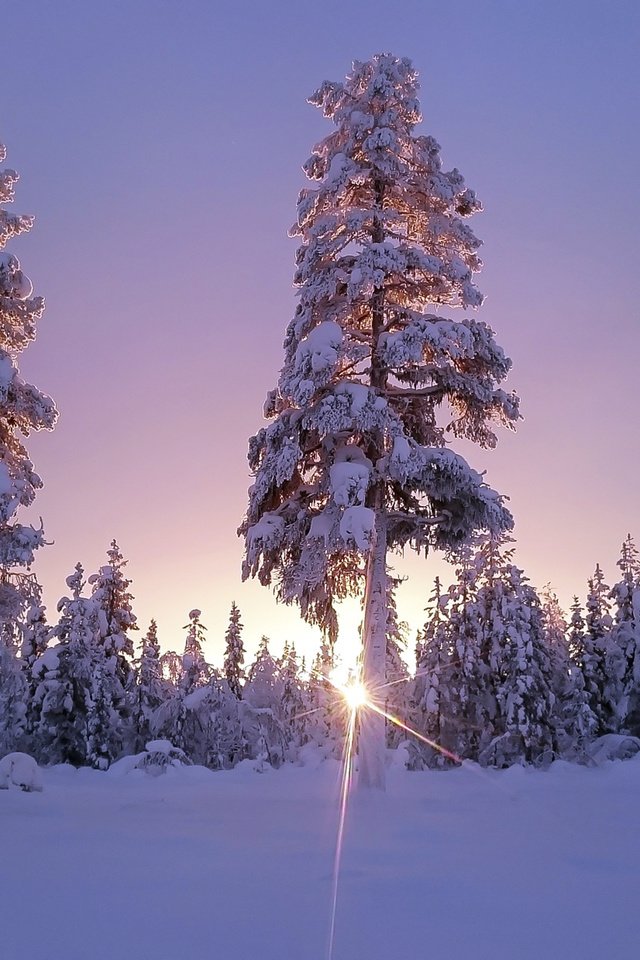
x=194, y=865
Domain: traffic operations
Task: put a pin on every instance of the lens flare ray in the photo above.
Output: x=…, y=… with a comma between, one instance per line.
x=357, y=697
x=347, y=772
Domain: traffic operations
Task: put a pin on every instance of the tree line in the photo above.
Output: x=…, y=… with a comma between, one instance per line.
x=501, y=676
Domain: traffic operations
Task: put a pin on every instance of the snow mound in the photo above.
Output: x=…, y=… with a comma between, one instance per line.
x=20, y=770
x=613, y=746
x=159, y=757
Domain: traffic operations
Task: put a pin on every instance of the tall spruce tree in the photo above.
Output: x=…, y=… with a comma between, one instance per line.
x=151, y=687
x=35, y=638
x=396, y=687
x=325, y=714
x=576, y=721
x=14, y=696
x=433, y=663
x=625, y=637
x=66, y=675
x=355, y=462
x=111, y=594
x=263, y=695
x=597, y=658
x=584, y=721
x=23, y=408
x=527, y=725
x=234, y=653
x=196, y=672
x=292, y=706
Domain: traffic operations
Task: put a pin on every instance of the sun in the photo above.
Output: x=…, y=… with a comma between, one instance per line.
x=355, y=693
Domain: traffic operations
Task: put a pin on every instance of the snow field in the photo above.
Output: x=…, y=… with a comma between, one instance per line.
x=469, y=865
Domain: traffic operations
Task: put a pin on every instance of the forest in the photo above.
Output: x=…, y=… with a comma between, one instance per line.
x=498, y=674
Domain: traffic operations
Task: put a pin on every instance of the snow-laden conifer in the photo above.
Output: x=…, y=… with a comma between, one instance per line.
x=234, y=652
x=625, y=637
x=263, y=686
x=576, y=721
x=171, y=667
x=23, y=408
x=151, y=689
x=196, y=672
x=212, y=730
x=262, y=695
x=65, y=675
x=597, y=658
x=188, y=677
x=433, y=662
x=293, y=707
x=36, y=633
x=395, y=693
x=527, y=725
x=104, y=732
x=325, y=714
x=355, y=461
x=110, y=591
x=111, y=594
x=14, y=696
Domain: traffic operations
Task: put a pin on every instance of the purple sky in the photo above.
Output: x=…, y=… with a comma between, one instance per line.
x=159, y=146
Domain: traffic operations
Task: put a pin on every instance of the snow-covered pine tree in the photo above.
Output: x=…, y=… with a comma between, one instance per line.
x=262, y=694
x=14, y=696
x=171, y=667
x=576, y=628
x=325, y=722
x=196, y=672
x=23, y=408
x=35, y=635
x=527, y=726
x=35, y=639
x=625, y=637
x=457, y=670
x=576, y=720
x=178, y=718
x=468, y=694
x=65, y=675
x=584, y=722
x=355, y=462
x=213, y=728
x=292, y=707
x=396, y=687
x=433, y=662
x=104, y=739
x=234, y=652
x=110, y=592
x=263, y=686
x=553, y=619
x=597, y=658
x=151, y=687
x=193, y=690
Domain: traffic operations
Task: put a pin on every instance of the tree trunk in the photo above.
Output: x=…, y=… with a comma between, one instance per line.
x=372, y=737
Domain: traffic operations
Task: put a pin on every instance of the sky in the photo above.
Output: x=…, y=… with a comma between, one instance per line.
x=160, y=147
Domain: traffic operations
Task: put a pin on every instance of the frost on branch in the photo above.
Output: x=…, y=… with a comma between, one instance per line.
x=376, y=377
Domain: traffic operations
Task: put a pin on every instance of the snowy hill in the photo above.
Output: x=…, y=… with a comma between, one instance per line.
x=466, y=864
